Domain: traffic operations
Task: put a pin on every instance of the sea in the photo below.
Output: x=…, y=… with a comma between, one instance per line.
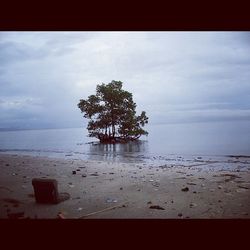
x=165, y=142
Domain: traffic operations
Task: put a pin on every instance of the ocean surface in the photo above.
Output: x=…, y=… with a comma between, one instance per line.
x=164, y=142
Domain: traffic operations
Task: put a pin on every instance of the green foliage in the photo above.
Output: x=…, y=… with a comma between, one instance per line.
x=112, y=114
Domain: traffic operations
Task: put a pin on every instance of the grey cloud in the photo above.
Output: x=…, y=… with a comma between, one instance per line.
x=174, y=76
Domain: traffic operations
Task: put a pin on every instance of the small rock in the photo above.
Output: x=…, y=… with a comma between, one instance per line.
x=73, y=172
x=185, y=189
x=194, y=192
x=150, y=202
x=180, y=214
x=78, y=169
x=84, y=175
x=220, y=187
x=7, y=165
x=121, y=188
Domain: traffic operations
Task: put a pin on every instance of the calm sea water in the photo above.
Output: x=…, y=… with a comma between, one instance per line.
x=163, y=141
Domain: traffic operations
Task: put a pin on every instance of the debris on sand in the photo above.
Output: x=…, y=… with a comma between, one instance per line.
x=157, y=207
x=192, y=205
x=190, y=183
x=60, y=215
x=46, y=191
x=12, y=201
x=73, y=172
x=110, y=200
x=185, y=189
x=94, y=174
x=243, y=187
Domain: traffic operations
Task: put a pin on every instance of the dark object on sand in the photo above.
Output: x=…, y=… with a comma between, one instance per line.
x=46, y=191
x=156, y=207
x=73, y=172
x=185, y=189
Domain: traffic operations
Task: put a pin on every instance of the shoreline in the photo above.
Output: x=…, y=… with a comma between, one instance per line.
x=106, y=189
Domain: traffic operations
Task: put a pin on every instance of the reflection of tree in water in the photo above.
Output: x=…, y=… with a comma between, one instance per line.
x=117, y=150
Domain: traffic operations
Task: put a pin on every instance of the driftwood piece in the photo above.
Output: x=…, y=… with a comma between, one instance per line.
x=103, y=210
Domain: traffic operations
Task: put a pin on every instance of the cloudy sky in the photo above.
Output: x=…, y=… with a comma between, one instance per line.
x=176, y=77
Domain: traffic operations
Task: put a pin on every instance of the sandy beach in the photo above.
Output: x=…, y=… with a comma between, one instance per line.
x=102, y=189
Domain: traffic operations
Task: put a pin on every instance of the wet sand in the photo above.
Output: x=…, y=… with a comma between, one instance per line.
x=127, y=190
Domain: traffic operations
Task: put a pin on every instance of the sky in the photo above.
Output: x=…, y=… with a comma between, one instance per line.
x=176, y=77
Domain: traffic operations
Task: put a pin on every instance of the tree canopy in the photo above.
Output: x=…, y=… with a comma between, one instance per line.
x=112, y=114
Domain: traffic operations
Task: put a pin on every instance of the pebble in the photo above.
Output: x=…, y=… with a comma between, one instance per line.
x=73, y=172
x=185, y=189
x=180, y=214
x=84, y=175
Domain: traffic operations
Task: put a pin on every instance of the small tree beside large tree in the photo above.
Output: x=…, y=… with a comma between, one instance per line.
x=112, y=114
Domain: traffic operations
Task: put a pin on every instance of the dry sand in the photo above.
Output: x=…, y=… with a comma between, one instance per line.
x=126, y=190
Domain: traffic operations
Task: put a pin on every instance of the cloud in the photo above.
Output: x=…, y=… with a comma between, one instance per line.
x=174, y=76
